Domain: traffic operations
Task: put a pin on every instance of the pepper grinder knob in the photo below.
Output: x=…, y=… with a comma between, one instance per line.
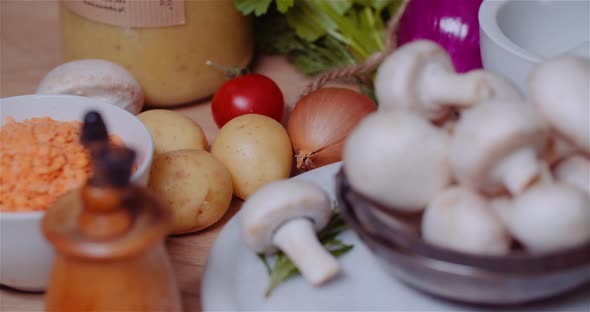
x=104, y=214
x=94, y=129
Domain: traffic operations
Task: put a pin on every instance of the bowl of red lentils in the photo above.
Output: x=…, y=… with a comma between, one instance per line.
x=41, y=159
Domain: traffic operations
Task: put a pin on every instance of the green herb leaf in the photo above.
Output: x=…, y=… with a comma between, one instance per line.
x=320, y=35
x=341, y=250
x=259, y=7
x=284, y=5
x=283, y=268
x=334, y=227
x=341, y=6
x=309, y=23
x=322, y=55
x=378, y=5
x=394, y=6
x=266, y=265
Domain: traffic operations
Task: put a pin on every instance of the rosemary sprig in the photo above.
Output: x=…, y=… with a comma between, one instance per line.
x=283, y=268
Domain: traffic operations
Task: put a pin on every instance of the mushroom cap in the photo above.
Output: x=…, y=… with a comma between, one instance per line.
x=489, y=132
x=275, y=204
x=550, y=216
x=460, y=219
x=398, y=159
x=560, y=89
x=397, y=83
x=94, y=78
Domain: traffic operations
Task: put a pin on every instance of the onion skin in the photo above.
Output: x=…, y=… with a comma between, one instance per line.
x=453, y=24
x=320, y=123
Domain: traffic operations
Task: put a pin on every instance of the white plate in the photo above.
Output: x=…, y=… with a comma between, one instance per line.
x=235, y=279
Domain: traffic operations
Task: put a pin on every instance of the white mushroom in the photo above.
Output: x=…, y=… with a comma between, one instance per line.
x=462, y=220
x=287, y=214
x=549, y=216
x=560, y=89
x=501, y=206
x=501, y=87
x=574, y=171
x=557, y=149
x=98, y=79
x=398, y=159
x=420, y=77
x=496, y=144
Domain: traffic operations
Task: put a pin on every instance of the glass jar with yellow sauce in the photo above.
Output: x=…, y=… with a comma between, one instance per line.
x=165, y=44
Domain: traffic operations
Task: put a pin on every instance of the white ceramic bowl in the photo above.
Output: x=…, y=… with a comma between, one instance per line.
x=516, y=35
x=25, y=256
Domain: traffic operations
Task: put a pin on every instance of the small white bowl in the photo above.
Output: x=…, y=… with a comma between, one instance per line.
x=516, y=35
x=26, y=257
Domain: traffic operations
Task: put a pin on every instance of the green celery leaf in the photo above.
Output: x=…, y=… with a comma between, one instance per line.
x=378, y=5
x=394, y=6
x=259, y=7
x=308, y=23
x=344, y=28
x=340, y=6
x=322, y=55
x=284, y=5
x=372, y=27
x=272, y=34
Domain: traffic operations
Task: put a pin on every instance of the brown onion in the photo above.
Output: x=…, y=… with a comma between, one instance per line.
x=320, y=123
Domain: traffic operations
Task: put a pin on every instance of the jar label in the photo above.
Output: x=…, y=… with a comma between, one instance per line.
x=130, y=13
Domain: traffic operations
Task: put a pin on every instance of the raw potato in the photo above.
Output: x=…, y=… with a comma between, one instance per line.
x=173, y=131
x=196, y=186
x=256, y=149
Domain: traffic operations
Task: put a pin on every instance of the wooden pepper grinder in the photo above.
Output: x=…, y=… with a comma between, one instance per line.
x=109, y=237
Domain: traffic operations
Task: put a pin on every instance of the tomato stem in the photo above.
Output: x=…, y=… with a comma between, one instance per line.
x=230, y=72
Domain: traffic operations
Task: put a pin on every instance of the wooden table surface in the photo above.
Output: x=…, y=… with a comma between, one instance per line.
x=30, y=47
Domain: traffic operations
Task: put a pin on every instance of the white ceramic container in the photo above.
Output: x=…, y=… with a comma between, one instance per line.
x=517, y=34
x=25, y=256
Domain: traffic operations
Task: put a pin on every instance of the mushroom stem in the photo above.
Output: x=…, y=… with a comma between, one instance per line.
x=518, y=170
x=298, y=240
x=451, y=89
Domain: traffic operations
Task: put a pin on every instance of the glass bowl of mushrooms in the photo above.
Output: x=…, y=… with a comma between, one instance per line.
x=515, y=278
x=465, y=189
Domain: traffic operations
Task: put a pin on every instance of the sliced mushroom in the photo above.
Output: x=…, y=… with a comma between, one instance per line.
x=496, y=144
x=420, y=77
x=462, y=220
x=398, y=159
x=560, y=89
x=287, y=214
x=98, y=79
x=549, y=217
x=574, y=171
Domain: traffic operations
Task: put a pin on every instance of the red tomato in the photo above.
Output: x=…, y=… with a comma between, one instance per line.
x=248, y=94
